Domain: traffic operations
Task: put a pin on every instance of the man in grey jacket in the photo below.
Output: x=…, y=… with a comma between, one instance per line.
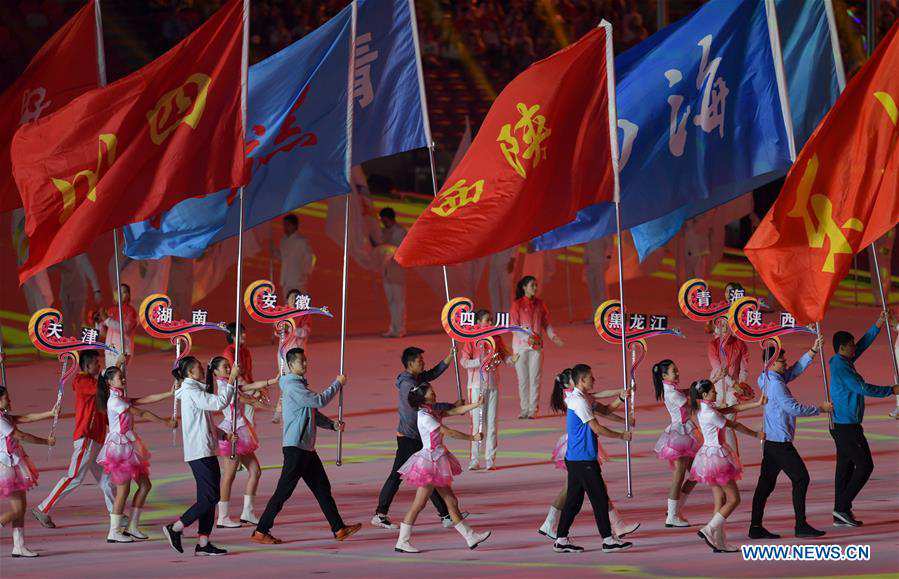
x=300, y=421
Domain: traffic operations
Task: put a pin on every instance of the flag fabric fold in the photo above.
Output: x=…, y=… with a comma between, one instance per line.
x=64, y=68
x=542, y=153
x=841, y=195
x=126, y=152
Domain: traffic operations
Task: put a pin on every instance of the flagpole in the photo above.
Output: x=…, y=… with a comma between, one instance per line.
x=237, y=305
x=431, y=146
x=350, y=102
x=780, y=73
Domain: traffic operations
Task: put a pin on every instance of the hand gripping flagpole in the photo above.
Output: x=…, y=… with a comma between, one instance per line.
x=431, y=146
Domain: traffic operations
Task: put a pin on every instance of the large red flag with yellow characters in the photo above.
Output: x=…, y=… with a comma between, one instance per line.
x=543, y=153
x=65, y=67
x=133, y=149
x=840, y=195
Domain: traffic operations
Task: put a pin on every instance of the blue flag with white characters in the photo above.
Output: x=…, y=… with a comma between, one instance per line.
x=297, y=127
x=699, y=117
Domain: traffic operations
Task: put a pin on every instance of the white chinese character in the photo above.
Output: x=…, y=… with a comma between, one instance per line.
x=164, y=316
x=269, y=300
x=787, y=320
x=615, y=320
x=658, y=322
x=629, y=135
x=638, y=322
x=736, y=294
x=704, y=298
x=677, y=131
x=199, y=316
x=754, y=318
x=54, y=330
x=33, y=104
x=502, y=319
x=362, y=89
x=89, y=335
x=467, y=319
x=714, y=96
x=303, y=302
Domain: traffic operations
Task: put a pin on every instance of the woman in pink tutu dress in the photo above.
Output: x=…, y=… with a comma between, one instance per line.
x=434, y=466
x=562, y=383
x=715, y=463
x=217, y=375
x=123, y=456
x=17, y=473
x=678, y=443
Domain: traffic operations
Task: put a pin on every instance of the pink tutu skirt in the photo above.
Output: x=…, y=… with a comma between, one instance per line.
x=124, y=459
x=677, y=442
x=21, y=476
x=716, y=465
x=435, y=467
x=247, y=442
x=561, y=449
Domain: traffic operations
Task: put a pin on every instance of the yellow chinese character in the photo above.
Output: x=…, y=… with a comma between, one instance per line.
x=67, y=188
x=823, y=210
x=164, y=119
x=533, y=130
x=459, y=195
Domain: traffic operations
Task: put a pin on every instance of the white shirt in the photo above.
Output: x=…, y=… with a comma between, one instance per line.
x=196, y=421
x=7, y=443
x=297, y=260
x=710, y=423
x=429, y=430
x=228, y=414
x=675, y=401
x=117, y=411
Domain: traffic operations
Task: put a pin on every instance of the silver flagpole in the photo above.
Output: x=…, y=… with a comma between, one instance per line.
x=350, y=102
x=237, y=305
x=431, y=145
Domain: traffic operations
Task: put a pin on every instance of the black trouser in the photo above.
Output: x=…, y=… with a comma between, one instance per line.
x=776, y=457
x=854, y=464
x=405, y=447
x=306, y=465
x=209, y=477
x=585, y=476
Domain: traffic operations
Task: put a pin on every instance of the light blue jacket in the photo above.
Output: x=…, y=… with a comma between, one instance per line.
x=782, y=409
x=848, y=389
x=300, y=411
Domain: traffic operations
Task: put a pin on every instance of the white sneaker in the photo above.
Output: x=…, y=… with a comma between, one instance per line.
x=117, y=536
x=382, y=522
x=676, y=521
x=226, y=523
x=474, y=465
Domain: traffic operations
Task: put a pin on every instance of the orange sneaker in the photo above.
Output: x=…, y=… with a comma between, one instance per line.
x=345, y=532
x=264, y=539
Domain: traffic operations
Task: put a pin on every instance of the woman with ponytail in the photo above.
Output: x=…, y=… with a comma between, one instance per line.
x=716, y=464
x=124, y=458
x=529, y=311
x=563, y=388
x=678, y=443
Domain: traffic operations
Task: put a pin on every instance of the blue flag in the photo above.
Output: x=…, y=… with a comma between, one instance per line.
x=297, y=127
x=813, y=80
x=699, y=115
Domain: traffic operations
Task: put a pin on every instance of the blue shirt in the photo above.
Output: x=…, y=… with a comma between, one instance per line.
x=782, y=409
x=581, y=438
x=299, y=408
x=848, y=389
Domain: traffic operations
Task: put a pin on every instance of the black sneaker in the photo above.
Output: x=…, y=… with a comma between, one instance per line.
x=845, y=519
x=618, y=545
x=209, y=550
x=760, y=532
x=806, y=531
x=174, y=537
x=566, y=548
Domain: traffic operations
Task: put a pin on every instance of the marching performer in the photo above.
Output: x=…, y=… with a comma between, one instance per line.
x=299, y=338
x=296, y=257
x=394, y=276
x=678, y=443
x=433, y=467
x=531, y=313
x=716, y=464
x=124, y=457
x=244, y=360
x=17, y=473
x=729, y=361
x=113, y=329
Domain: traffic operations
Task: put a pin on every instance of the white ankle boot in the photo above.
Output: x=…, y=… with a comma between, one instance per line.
x=247, y=515
x=548, y=529
x=710, y=536
x=18, y=541
x=115, y=534
x=471, y=537
x=619, y=528
x=402, y=544
x=224, y=521
x=133, y=530
x=673, y=519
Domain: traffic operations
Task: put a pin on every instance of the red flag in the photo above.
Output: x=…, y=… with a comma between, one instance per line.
x=841, y=194
x=65, y=67
x=128, y=151
x=543, y=153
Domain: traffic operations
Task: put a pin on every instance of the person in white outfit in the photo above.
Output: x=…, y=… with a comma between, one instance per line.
x=499, y=279
x=482, y=364
x=597, y=254
x=297, y=257
x=394, y=276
